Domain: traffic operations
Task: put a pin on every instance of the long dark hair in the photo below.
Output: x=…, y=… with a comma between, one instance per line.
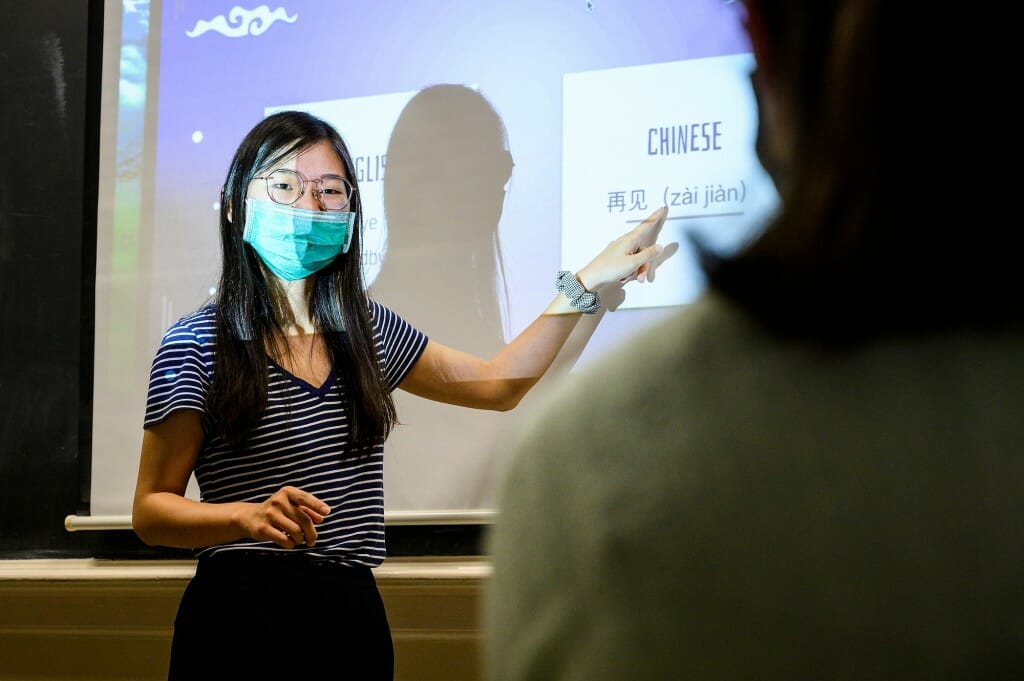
x=896, y=213
x=247, y=325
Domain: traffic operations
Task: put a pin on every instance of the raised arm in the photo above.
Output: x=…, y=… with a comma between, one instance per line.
x=448, y=375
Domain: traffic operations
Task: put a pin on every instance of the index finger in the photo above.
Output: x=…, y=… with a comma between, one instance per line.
x=652, y=224
x=302, y=498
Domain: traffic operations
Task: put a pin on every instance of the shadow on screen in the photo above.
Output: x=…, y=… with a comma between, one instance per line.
x=444, y=190
x=448, y=166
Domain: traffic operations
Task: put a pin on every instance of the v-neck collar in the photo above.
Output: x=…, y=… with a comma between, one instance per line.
x=304, y=385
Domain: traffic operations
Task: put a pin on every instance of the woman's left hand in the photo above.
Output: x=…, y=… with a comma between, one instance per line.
x=629, y=257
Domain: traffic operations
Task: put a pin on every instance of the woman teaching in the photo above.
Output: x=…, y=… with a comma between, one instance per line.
x=277, y=396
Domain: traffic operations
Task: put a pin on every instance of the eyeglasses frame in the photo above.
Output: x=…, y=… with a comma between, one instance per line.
x=317, y=182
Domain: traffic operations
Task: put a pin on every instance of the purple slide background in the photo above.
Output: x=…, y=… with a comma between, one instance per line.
x=515, y=52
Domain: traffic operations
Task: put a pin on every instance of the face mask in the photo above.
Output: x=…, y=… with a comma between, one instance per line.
x=294, y=242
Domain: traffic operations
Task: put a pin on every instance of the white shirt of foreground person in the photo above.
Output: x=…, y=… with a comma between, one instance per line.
x=738, y=507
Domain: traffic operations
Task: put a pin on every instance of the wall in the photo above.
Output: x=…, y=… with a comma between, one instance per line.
x=84, y=619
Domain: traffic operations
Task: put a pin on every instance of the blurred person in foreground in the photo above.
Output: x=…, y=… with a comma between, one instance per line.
x=815, y=471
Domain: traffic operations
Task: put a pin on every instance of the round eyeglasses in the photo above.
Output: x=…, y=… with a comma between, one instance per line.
x=285, y=186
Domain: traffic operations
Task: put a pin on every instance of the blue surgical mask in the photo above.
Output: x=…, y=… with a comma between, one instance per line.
x=294, y=242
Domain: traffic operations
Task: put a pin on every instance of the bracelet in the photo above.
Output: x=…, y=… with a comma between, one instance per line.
x=579, y=297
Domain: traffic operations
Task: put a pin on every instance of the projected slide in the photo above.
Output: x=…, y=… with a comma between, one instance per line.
x=495, y=143
x=679, y=134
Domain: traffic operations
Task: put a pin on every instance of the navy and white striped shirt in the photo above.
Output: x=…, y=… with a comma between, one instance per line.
x=301, y=440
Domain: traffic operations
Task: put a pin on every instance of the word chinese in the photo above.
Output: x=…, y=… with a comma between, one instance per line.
x=684, y=139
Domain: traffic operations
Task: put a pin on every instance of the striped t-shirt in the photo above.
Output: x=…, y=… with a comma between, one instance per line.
x=301, y=440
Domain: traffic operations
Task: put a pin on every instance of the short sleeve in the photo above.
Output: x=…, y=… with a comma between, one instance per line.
x=180, y=375
x=399, y=343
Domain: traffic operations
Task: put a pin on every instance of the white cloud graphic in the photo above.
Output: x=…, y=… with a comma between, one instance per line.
x=241, y=22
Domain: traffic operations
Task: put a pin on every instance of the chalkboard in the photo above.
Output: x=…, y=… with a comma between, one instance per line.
x=50, y=72
x=48, y=174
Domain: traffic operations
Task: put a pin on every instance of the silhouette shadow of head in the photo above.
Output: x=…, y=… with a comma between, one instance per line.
x=444, y=190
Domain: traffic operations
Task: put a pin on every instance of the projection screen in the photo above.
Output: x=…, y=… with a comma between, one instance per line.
x=529, y=134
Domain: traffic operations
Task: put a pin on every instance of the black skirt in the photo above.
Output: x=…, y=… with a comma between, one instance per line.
x=249, y=615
